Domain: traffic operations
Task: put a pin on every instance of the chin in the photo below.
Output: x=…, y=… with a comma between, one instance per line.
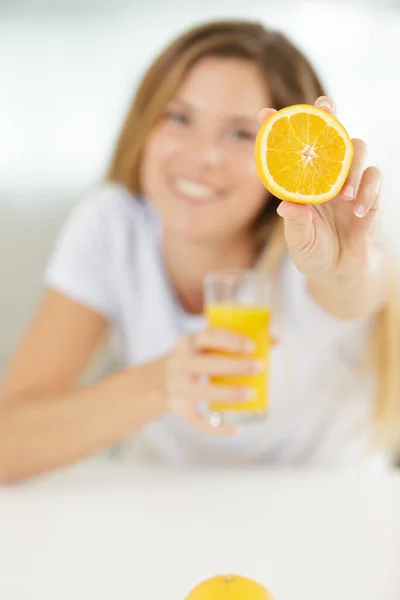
x=193, y=230
x=200, y=223
x=195, y=233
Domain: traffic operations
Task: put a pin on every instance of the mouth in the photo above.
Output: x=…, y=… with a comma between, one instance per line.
x=194, y=191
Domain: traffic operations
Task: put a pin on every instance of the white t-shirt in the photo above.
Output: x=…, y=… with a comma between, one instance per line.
x=108, y=258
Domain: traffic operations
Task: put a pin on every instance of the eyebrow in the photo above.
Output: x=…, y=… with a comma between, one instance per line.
x=248, y=119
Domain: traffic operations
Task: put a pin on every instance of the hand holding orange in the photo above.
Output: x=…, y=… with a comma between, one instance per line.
x=229, y=587
x=303, y=154
x=305, y=157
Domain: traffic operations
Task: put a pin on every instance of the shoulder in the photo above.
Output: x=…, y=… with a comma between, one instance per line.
x=108, y=201
x=88, y=250
x=105, y=212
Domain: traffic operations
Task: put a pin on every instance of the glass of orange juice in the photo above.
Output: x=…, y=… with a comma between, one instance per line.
x=240, y=301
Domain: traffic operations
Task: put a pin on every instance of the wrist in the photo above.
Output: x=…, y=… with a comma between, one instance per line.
x=341, y=284
x=354, y=277
x=157, y=390
x=143, y=388
x=355, y=295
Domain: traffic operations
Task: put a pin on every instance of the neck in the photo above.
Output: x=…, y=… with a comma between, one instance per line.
x=188, y=261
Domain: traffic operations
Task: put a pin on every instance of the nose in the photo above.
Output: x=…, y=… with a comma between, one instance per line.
x=206, y=148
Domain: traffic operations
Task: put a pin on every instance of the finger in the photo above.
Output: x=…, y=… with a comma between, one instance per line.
x=226, y=340
x=220, y=393
x=367, y=201
x=349, y=190
x=265, y=113
x=326, y=103
x=298, y=212
x=219, y=365
x=298, y=225
x=223, y=339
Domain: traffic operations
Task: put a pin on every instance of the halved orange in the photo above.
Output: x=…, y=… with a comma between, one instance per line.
x=303, y=154
x=229, y=587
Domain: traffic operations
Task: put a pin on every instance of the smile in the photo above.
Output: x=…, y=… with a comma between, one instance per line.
x=193, y=189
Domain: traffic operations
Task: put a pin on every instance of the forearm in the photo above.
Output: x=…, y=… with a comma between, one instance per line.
x=40, y=432
x=356, y=297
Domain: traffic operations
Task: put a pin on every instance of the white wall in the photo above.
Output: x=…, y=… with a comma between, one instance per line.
x=66, y=77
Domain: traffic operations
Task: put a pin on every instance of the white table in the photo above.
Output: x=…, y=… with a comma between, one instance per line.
x=107, y=532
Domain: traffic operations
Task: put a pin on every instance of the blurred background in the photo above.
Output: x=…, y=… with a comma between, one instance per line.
x=68, y=69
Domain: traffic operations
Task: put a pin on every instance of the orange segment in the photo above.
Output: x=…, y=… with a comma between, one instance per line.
x=303, y=154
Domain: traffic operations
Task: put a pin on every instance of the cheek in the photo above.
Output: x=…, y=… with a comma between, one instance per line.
x=157, y=152
x=160, y=153
x=249, y=186
x=160, y=150
x=249, y=171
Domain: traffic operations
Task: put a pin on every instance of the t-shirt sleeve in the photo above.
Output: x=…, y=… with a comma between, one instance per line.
x=80, y=264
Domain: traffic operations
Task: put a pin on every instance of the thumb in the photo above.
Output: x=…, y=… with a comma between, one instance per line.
x=298, y=224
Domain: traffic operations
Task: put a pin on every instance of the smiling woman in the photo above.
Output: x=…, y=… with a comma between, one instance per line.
x=182, y=198
x=199, y=157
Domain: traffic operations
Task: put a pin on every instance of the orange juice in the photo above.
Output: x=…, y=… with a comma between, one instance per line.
x=252, y=322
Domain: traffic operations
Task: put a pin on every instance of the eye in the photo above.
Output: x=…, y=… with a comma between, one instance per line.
x=175, y=116
x=242, y=134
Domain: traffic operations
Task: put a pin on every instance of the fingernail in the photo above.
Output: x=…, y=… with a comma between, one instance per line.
x=247, y=394
x=349, y=191
x=250, y=346
x=360, y=211
x=325, y=105
x=258, y=366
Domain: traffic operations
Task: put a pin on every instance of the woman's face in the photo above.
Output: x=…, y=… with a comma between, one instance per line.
x=198, y=168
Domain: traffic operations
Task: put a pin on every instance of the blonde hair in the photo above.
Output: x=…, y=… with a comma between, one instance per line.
x=291, y=79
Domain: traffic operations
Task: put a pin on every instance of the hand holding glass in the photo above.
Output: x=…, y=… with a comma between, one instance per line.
x=240, y=301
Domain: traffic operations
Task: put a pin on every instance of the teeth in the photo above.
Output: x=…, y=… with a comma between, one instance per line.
x=191, y=188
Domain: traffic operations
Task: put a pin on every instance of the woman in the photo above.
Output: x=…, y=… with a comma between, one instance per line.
x=181, y=199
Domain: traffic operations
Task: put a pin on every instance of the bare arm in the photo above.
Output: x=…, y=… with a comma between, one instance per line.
x=45, y=421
